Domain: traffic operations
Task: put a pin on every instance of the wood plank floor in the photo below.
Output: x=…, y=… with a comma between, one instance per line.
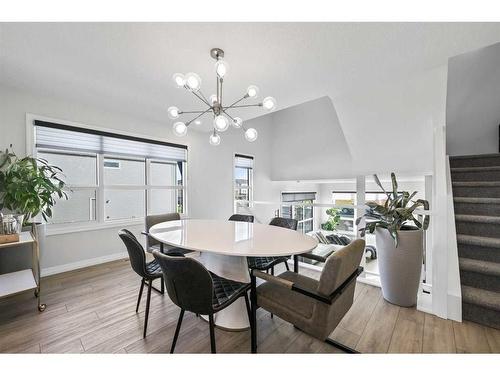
x=92, y=310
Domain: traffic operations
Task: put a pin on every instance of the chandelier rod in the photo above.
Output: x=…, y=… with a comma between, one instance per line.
x=245, y=105
x=199, y=97
x=221, y=84
x=204, y=97
x=236, y=102
x=218, y=97
x=197, y=117
x=184, y=112
x=243, y=127
x=231, y=117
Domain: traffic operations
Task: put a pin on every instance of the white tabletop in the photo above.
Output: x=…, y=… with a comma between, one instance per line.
x=232, y=238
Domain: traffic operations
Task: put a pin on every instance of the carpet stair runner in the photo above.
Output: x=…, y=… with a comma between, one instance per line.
x=476, y=196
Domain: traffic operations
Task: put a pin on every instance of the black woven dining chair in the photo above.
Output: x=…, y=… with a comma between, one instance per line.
x=193, y=288
x=267, y=263
x=148, y=271
x=241, y=217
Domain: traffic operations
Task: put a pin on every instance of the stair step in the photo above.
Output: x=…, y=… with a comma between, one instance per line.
x=481, y=315
x=475, y=169
x=484, y=298
x=475, y=161
x=478, y=241
x=476, y=200
x=491, y=173
x=476, y=189
x=474, y=156
x=480, y=266
x=477, y=206
x=478, y=219
x=478, y=225
x=476, y=183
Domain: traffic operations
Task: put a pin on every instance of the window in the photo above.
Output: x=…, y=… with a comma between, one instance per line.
x=112, y=177
x=298, y=206
x=243, y=183
x=346, y=223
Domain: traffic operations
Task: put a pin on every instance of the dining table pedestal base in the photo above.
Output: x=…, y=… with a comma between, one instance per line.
x=235, y=316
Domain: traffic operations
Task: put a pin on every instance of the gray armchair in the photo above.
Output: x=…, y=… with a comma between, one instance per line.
x=315, y=307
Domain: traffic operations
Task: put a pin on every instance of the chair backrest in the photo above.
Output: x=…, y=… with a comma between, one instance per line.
x=240, y=217
x=156, y=219
x=135, y=252
x=339, y=266
x=189, y=284
x=284, y=223
x=337, y=269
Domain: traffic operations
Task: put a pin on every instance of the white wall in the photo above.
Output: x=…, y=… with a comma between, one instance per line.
x=210, y=172
x=308, y=142
x=389, y=127
x=384, y=128
x=299, y=143
x=473, y=103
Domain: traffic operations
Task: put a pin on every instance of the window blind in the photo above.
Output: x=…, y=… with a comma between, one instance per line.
x=63, y=137
x=298, y=196
x=243, y=161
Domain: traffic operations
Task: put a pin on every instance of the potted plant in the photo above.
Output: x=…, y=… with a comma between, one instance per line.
x=399, y=233
x=29, y=187
x=333, y=219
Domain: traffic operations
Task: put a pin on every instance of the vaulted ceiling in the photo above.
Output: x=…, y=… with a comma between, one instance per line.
x=128, y=67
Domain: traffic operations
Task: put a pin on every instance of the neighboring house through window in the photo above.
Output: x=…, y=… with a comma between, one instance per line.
x=112, y=177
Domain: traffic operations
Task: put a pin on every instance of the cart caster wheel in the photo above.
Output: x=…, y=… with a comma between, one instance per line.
x=36, y=293
x=42, y=307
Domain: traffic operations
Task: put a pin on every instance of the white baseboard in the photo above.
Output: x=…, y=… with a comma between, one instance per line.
x=455, y=307
x=82, y=264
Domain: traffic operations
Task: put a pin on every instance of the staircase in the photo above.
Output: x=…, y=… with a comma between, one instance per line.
x=476, y=195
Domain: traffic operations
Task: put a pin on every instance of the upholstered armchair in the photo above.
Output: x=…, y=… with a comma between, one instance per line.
x=314, y=306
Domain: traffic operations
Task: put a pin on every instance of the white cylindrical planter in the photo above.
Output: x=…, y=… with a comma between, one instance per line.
x=400, y=267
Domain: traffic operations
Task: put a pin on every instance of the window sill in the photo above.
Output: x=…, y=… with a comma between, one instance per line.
x=58, y=229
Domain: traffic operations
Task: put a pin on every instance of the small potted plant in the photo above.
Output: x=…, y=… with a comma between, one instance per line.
x=333, y=219
x=29, y=187
x=399, y=233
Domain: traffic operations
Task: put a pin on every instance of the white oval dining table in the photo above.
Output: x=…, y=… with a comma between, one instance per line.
x=224, y=247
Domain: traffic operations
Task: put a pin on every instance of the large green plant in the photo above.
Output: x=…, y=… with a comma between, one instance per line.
x=333, y=219
x=397, y=213
x=29, y=186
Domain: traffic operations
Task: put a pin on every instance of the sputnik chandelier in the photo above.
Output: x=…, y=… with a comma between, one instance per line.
x=214, y=104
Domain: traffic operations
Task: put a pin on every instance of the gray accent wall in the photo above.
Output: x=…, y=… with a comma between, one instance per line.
x=473, y=102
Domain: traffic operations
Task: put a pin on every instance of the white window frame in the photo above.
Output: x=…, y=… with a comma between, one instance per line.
x=100, y=222
x=292, y=205
x=250, y=183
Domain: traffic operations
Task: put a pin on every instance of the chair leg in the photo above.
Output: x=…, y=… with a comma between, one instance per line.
x=177, y=330
x=249, y=310
x=140, y=295
x=341, y=346
x=147, y=309
x=162, y=285
x=286, y=265
x=253, y=328
x=272, y=273
x=212, y=333
x=253, y=321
